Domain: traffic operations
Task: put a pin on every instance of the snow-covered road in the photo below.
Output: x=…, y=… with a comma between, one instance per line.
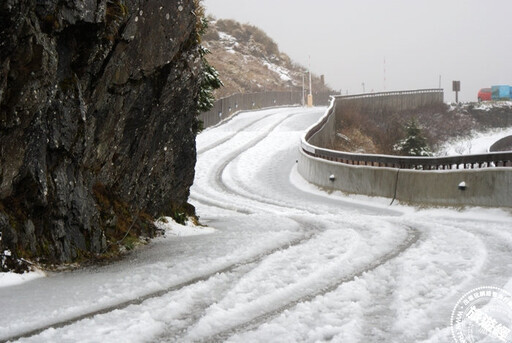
x=286, y=263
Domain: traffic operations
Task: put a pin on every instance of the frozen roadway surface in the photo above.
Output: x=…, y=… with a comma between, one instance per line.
x=287, y=262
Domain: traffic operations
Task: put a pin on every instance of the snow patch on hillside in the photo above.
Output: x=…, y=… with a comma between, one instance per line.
x=483, y=106
x=490, y=105
x=228, y=38
x=283, y=73
x=229, y=41
x=476, y=143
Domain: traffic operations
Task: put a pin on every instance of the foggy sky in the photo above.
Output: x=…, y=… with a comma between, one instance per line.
x=348, y=40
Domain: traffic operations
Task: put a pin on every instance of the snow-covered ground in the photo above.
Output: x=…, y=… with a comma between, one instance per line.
x=476, y=143
x=490, y=105
x=286, y=262
x=11, y=279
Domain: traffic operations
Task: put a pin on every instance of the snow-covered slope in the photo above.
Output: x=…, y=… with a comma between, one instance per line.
x=491, y=121
x=250, y=61
x=478, y=142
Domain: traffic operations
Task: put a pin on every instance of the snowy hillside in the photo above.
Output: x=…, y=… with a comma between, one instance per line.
x=446, y=128
x=476, y=143
x=486, y=123
x=250, y=61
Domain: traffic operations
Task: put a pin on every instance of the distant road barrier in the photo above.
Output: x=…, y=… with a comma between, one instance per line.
x=504, y=144
x=395, y=100
x=226, y=107
x=480, y=180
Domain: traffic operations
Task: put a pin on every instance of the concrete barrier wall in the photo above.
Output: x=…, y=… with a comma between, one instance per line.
x=348, y=178
x=395, y=101
x=485, y=187
x=226, y=107
x=373, y=102
x=325, y=136
x=504, y=144
x=488, y=187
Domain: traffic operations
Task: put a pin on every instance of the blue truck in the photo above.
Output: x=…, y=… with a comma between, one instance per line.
x=501, y=92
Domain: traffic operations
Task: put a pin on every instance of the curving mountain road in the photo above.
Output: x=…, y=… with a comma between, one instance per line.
x=404, y=270
x=287, y=263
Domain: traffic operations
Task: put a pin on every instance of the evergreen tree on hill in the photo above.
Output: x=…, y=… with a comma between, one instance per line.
x=414, y=143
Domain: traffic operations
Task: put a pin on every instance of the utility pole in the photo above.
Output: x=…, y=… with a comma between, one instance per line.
x=384, y=73
x=362, y=84
x=439, y=81
x=310, y=95
x=302, y=96
x=303, y=101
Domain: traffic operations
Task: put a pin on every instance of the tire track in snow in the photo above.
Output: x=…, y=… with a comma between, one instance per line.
x=309, y=234
x=412, y=238
x=249, y=194
x=390, y=313
x=230, y=136
x=198, y=312
x=243, y=128
x=498, y=243
x=219, y=170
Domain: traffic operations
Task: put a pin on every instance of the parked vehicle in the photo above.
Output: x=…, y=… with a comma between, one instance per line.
x=484, y=94
x=501, y=92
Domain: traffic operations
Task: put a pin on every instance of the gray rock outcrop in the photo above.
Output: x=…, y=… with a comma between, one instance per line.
x=98, y=103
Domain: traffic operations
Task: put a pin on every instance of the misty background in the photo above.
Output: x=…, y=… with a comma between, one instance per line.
x=388, y=44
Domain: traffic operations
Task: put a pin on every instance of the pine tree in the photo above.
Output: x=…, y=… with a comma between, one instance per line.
x=210, y=79
x=414, y=143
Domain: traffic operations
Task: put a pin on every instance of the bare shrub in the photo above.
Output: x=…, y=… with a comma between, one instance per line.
x=439, y=123
x=228, y=25
x=383, y=129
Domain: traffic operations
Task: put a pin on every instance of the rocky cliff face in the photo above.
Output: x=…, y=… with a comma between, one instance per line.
x=97, y=121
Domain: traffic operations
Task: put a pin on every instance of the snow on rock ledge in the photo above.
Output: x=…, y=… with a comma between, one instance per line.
x=13, y=279
x=189, y=229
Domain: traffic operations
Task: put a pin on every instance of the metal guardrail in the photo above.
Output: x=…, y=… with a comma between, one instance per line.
x=225, y=107
x=496, y=159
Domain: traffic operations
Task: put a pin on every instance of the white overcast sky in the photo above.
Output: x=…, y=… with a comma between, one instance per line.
x=420, y=40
